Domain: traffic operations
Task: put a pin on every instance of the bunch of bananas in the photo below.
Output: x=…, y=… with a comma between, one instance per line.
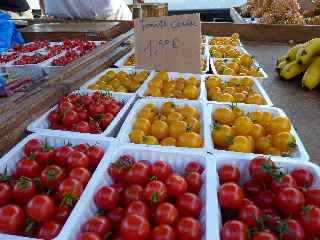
x=302, y=58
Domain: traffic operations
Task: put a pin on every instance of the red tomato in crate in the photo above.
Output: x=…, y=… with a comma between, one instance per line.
x=11, y=219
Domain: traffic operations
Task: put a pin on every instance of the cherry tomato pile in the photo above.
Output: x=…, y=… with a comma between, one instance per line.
x=67, y=58
x=30, y=47
x=5, y=58
x=36, y=200
x=71, y=44
x=85, y=114
x=147, y=201
x=273, y=204
x=33, y=59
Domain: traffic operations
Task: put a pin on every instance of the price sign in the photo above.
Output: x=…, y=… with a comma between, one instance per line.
x=169, y=43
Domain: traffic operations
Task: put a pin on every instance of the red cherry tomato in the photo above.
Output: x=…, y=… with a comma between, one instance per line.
x=45, y=157
x=260, y=169
x=70, y=117
x=89, y=236
x=188, y=228
x=116, y=215
x=312, y=196
x=176, y=185
x=5, y=194
x=138, y=174
x=303, y=177
x=82, y=147
x=117, y=172
x=263, y=235
x=24, y=190
x=11, y=219
x=252, y=188
x=309, y=218
x=290, y=201
x=113, y=108
x=265, y=199
x=119, y=186
x=95, y=154
x=229, y=173
x=53, y=117
x=82, y=127
x=105, y=121
x=161, y=170
x=62, y=154
x=138, y=208
x=271, y=219
x=234, y=229
x=62, y=214
x=155, y=192
x=81, y=174
x=65, y=106
x=77, y=159
x=28, y=168
x=162, y=232
x=230, y=195
x=134, y=227
x=250, y=215
x=99, y=225
x=95, y=109
x=293, y=230
x=107, y=198
x=194, y=167
x=41, y=208
x=32, y=146
x=246, y=201
x=189, y=204
x=194, y=181
x=131, y=193
x=70, y=187
x=284, y=182
x=49, y=230
x=52, y=176
x=166, y=213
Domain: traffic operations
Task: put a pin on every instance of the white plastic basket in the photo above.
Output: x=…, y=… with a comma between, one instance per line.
x=123, y=135
x=242, y=162
x=42, y=123
x=207, y=65
x=178, y=159
x=10, y=160
x=255, y=64
x=127, y=70
x=300, y=154
x=172, y=76
x=121, y=62
x=256, y=86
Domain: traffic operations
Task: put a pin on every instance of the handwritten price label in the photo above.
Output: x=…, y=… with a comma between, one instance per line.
x=169, y=43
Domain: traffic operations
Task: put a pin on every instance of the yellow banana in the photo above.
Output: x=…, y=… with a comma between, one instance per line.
x=292, y=53
x=311, y=78
x=281, y=59
x=292, y=69
x=281, y=65
x=309, y=49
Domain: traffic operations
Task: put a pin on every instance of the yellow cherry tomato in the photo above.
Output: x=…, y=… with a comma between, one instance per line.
x=247, y=81
x=193, y=124
x=177, y=128
x=174, y=116
x=213, y=81
x=256, y=117
x=240, y=144
x=152, y=106
x=226, y=97
x=193, y=81
x=136, y=136
x=150, y=140
x=266, y=118
x=246, y=60
x=239, y=97
x=169, y=141
x=224, y=116
x=191, y=92
x=273, y=151
x=222, y=136
x=243, y=125
x=284, y=141
x=278, y=124
x=142, y=124
x=159, y=129
x=257, y=131
x=167, y=108
x=189, y=111
x=255, y=99
x=190, y=140
x=147, y=114
x=238, y=112
x=263, y=144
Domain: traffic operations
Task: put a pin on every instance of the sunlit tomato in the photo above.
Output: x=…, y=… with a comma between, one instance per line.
x=309, y=218
x=99, y=225
x=234, y=229
x=23, y=190
x=89, y=236
x=28, y=168
x=70, y=187
x=194, y=167
x=5, y=194
x=82, y=174
x=161, y=170
x=176, y=185
x=11, y=219
x=40, y=208
x=194, y=181
x=155, y=192
x=250, y=215
x=229, y=173
x=32, y=146
x=95, y=154
x=62, y=154
x=261, y=168
x=106, y=198
x=230, y=195
x=134, y=227
x=138, y=208
x=49, y=230
x=138, y=174
x=263, y=235
x=131, y=193
x=162, y=232
x=292, y=199
x=265, y=199
x=166, y=213
x=189, y=204
x=187, y=228
x=52, y=176
x=293, y=230
x=285, y=181
x=303, y=177
x=62, y=214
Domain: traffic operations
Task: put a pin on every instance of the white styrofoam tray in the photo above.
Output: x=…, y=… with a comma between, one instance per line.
x=178, y=159
x=207, y=67
x=127, y=70
x=209, y=38
x=241, y=49
x=121, y=62
x=42, y=123
x=123, y=135
x=255, y=64
x=256, y=86
x=10, y=160
x=242, y=162
x=172, y=76
x=300, y=154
